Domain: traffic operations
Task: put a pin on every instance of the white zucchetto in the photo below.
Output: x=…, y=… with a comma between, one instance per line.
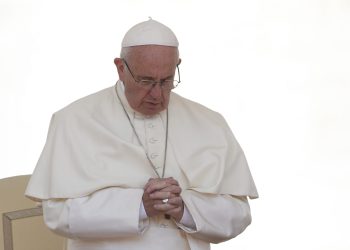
x=150, y=32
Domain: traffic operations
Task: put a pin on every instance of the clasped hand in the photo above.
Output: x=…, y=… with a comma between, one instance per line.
x=157, y=190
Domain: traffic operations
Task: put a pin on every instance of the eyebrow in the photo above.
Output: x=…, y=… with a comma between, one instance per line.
x=152, y=78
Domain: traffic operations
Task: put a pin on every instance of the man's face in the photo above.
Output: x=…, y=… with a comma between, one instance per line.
x=151, y=62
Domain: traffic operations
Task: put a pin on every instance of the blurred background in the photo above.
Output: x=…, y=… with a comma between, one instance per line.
x=278, y=70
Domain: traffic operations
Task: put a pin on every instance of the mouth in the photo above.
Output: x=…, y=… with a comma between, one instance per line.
x=153, y=103
x=153, y=106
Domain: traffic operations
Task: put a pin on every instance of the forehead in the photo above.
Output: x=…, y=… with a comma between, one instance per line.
x=153, y=54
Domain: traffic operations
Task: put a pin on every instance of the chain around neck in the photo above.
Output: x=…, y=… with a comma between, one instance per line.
x=139, y=140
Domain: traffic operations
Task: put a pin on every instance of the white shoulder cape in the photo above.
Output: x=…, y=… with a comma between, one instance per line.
x=88, y=148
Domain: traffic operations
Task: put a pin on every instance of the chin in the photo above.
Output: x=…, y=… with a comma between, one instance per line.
x=152, y=111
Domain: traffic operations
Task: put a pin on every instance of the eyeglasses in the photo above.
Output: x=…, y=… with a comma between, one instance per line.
x=167, y=84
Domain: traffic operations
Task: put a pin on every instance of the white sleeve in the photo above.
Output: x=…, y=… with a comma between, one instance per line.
x=107, y=213
x=187, y=220
x=217, y=218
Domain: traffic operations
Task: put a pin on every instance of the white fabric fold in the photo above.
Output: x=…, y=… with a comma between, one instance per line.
x=217, y=217
x=89, y=147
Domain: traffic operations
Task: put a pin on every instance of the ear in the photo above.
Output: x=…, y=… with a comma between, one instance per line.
x=179, y=62
x=120, y=67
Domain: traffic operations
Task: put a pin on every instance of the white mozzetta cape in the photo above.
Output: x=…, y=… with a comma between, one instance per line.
x=89, y=148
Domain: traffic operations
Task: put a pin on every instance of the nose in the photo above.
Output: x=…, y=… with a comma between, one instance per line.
x=156, y=91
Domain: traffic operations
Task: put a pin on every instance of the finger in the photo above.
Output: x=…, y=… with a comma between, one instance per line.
x=172, y=181
x=149, y=182
x=164, y=207
x=172, y=189
x=160, y=184
x=169, y=205
x=159, y=195
x=175, y=213
x=174, y=210
x=176, y=201
x=156, y=186
x=154, y=202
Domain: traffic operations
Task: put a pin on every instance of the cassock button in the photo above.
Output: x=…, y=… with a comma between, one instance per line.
x=153, y=155
x=151, y=125
x=152, y=140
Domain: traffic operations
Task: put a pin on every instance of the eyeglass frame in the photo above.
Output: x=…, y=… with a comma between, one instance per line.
x=153, y=83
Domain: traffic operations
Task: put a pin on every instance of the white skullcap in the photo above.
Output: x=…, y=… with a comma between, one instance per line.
x=150, y=32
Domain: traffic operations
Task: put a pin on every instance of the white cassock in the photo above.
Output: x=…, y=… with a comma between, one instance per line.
x=92, y=171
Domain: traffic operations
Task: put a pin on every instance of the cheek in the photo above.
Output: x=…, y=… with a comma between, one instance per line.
x=166, y=98
x=135, y=96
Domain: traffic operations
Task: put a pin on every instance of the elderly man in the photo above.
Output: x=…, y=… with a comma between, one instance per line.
x=136, y=166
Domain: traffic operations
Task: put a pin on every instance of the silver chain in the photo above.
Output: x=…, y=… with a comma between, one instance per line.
x=139, y=141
